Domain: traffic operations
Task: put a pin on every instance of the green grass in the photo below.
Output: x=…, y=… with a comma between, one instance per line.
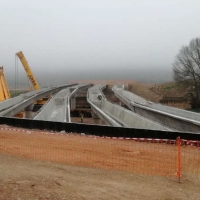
x=169, y=87
x=195, y=110
x=14, y=93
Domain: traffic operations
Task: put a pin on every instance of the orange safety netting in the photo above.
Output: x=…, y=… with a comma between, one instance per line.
x=145, y=156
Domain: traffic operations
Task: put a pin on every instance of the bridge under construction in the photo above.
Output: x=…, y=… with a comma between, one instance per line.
x=94, y=125
x=130, y=111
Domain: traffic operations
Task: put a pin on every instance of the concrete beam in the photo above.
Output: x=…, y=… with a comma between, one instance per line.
x=58, y=107
x=173, y=118
x=114, y=114
x=23, y=103
x=28, y=111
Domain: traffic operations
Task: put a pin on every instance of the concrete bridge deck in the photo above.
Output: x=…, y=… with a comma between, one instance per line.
x=58, y=107
x=121, y=116
x=174, y=118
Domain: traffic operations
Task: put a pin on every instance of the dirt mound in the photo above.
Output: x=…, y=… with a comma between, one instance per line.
x=155, y=92
x=150, y=91
x=145, y=90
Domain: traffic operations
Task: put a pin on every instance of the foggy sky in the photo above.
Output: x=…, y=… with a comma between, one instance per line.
x=96, y=39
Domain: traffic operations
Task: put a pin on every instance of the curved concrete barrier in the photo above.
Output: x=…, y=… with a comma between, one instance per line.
x=175, y=118
x=12, y=107
x=118, y=114
x=18, y=99
x=95, y=97
x=58, y=107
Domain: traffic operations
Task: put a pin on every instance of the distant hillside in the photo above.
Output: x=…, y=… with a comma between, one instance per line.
x=155, y=92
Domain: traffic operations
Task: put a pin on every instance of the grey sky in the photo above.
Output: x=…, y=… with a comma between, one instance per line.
x=73, y=36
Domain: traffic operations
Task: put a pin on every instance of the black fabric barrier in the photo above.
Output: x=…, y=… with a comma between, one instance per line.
x=96, y=129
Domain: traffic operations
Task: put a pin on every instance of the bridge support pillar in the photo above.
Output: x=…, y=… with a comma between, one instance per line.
x=28, y=111
x=96, y=119
x=73, y=103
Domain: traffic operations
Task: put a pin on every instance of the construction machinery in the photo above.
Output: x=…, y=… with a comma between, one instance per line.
x=32, y=80
x=29, y=73
x=4, y=92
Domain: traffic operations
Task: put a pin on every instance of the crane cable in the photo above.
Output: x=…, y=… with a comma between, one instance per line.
x=16, y=74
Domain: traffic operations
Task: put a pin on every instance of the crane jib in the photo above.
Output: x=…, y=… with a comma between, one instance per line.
x=32, y=80
x=28, y=70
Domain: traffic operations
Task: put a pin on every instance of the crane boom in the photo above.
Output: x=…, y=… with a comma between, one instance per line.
x=4, y=92
x=28, y=70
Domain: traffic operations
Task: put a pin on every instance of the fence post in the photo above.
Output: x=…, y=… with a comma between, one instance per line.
x=178, y=142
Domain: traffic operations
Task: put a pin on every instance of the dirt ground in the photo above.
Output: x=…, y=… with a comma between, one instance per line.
x=85, y=120
x=47, y=165
x=145, y=90
x=23, y=179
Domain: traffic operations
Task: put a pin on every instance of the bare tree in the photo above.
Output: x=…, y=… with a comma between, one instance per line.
x=186, y=66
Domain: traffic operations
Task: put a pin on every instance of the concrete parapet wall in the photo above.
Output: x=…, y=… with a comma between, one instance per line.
x=58, y=108
x=54, y=109
x=175, y=111
x=174, y=118
x=128, y=118
x=119, y=114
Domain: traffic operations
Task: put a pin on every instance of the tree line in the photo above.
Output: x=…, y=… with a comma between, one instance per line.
x=186, y=68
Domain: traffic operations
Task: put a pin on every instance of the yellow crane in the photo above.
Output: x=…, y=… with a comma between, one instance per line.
x=31, y=77
x=28, y=70
x=4, y=92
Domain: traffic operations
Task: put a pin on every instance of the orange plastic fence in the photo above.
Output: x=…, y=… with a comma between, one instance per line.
x=146, y=156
